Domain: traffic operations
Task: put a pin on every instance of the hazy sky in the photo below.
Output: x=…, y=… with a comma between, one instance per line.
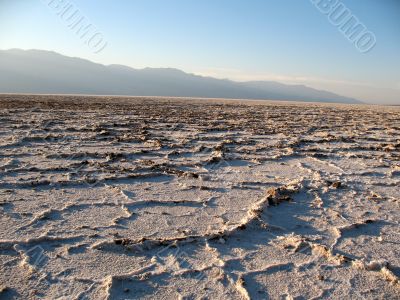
x=281, y=40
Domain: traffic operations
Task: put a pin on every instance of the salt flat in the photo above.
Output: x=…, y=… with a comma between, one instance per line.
x=128, y=198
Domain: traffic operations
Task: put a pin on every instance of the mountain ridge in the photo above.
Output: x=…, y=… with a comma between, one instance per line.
x=48, y=72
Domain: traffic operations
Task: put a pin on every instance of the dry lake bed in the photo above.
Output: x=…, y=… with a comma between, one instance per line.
x=146, y=198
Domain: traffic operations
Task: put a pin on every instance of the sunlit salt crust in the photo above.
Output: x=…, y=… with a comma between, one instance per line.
x=128, y=198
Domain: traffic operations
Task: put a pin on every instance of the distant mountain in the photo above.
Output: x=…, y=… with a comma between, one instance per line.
x=45, y=72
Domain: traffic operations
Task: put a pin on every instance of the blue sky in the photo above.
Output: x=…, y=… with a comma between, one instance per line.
x=280, y=40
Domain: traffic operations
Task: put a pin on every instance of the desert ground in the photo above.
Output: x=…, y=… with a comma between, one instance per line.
x=146, y=198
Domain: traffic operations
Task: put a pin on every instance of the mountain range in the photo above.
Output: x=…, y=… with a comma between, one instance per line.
x=47, y=72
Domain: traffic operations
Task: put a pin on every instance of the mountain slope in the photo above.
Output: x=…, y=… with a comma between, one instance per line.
x=37, y=71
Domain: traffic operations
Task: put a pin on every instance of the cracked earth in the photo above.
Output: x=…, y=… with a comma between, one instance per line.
x=145, y=198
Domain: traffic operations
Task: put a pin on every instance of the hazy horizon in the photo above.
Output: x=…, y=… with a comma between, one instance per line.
x=59, y=74
x=283, y=41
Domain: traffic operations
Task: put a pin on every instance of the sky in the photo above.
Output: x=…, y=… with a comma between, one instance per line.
x=289, y=41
